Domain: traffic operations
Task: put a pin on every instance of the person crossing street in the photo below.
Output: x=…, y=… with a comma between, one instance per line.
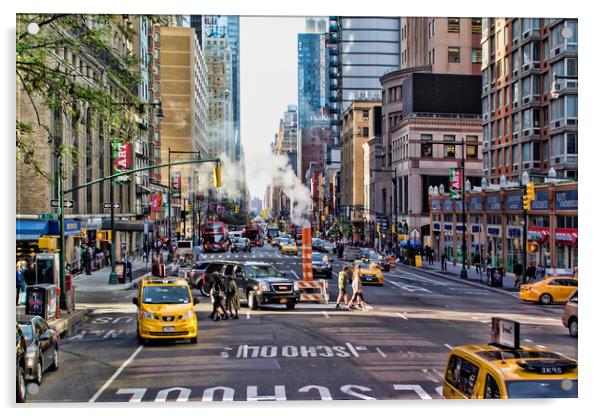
x=343, y=279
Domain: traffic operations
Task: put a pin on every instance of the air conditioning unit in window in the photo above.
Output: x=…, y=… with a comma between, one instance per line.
x=557, y=160
x=515, y=135
x=571, y=84
x=526, y=100
x=527, y=67
x=527, y=165
x=514, y=168
x=514, y=104
x=536, y=98
x=557, y=124
x=515, y=42
x=571, y=122
x=555, y=51
x=536, y=131
x=526, y=34
x=515, y=73
x=526, y=132
x=536, y=165
x=536, y=65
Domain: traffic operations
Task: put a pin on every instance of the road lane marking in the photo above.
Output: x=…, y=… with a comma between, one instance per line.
x=116, y=374
x=248, y=315
x=352, y=349
x=541, y=346
x=527, y=340
x=449, y=346
x=413, y=387
x=409, y=288
x=382, y=354
x=325, y=314
x=402, y=315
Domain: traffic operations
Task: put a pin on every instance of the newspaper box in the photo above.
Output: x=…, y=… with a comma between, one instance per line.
x=41, y=300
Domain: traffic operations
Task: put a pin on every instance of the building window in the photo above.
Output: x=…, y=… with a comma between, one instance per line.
x=507, y=126
x=453, y=25
x=526, y=115
x=453, y=54
x=476, y=56
x=450, y=150
x=515, y=97
x=526, y=87
x=515, y=154
x=365, y=131
x=527, y=54
x=515, y=123
x=526, y=152
x=571, y=143
x=471, y=151
x=476, y=26
x=365, y=114
x=515, y=30
x=426, y=149
x=449, y=137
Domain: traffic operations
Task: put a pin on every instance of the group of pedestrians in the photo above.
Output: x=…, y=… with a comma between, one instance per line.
x=350, y=275
x=224, y=291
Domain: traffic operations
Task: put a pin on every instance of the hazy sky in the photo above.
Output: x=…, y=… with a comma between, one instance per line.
x=268, y=83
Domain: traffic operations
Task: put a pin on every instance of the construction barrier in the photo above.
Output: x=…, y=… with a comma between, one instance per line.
x=313, y=291
x=391, y=260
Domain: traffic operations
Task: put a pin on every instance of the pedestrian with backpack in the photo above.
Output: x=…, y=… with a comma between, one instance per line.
x=343, y=280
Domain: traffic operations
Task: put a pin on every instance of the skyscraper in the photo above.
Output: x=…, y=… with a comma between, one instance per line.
x=310, y=77
x=234, y=44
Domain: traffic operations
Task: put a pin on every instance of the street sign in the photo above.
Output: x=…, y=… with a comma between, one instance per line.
x=107, y=205
x=67, y=203
x=45, y=216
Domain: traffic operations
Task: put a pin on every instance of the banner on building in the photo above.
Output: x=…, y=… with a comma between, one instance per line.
x=156, y=202
x=176, y=184
x=455, y=182
x=122, y=160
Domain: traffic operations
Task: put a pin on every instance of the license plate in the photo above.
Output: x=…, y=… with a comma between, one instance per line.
x=283, y=301
x=319, y=270
x=168, y=329
x=369, y=279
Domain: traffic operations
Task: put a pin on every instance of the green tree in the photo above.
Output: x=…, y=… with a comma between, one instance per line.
x=53, y=85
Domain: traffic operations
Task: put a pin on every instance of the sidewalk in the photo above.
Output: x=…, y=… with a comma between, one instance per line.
x=453, y=272
x=99, y=280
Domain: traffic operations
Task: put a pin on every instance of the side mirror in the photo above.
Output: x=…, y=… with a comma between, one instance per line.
x=196, y=300
x=283, y=274
x=135, y=300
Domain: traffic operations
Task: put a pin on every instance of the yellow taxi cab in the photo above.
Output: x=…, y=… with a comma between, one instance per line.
x=548, y=290
x=503, y=370
x=165, y=309
x=289, y=247
x=370, y=272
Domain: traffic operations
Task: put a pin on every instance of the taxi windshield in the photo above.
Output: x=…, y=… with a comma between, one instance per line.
x=365, y=265
x=165, y=295
x=541, y=389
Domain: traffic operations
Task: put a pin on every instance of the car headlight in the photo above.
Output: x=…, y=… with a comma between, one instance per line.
x=30, y=357
x=147, y=315
x=188, y=314
x=296, y=286
x=263, y=287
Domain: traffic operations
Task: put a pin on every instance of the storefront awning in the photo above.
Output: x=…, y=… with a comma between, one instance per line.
x=538, y=234
x=71, y=227
x=567, y=236
x=31, y=229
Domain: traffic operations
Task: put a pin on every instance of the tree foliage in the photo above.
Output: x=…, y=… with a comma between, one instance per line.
x=53, y=86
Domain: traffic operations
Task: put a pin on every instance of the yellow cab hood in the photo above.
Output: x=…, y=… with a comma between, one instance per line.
x=168, y=309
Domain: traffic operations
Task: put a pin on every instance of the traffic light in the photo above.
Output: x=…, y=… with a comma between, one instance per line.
x=103, y=235
x=528, y=196
x=217, y=176
x=378, y=228
x=236, y=209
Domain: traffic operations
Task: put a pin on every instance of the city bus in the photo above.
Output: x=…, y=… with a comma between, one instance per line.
x=215, y=237
x=254, y=234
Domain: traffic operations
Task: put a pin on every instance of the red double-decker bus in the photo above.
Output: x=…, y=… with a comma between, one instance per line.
x=215, y=237
x=254, y=234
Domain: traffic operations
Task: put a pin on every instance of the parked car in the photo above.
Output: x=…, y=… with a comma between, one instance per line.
x=21, y=366
x=319, y=267
x=317, y=244
x=258, y=283
x=240, y=244
x=569, y=314
x=42, y=348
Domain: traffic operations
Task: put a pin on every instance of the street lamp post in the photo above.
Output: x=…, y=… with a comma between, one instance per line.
x=463, y=272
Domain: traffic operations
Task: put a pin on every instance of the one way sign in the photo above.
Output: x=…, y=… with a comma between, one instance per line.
x=107, y=205
x=67, y=203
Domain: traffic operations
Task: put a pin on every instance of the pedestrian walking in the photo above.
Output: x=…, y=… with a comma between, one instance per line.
x=518, y=272
x=343, y=280
x=443, y=261
x=217, y=294
x=356, y=284
x=20, y=282
x=540, y=272
x=530, y=273
x=232, y=299
x=197, y=252
x=477, y=263
x=30, y=274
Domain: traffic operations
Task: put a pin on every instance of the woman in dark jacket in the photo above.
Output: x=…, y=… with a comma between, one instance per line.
x=217, y=294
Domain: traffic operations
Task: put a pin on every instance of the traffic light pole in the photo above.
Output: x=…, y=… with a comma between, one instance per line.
x=525, y=228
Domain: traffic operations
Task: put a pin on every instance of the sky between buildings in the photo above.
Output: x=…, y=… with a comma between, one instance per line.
x=268, y=83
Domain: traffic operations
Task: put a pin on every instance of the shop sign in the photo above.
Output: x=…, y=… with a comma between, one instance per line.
x=156, y=202
x=493, y=203
x=541, y=202
x=493, y=231
x=176, y=184
x=476, y=203
x=566, y=200
x=447, y=226
x=514, y=232
x=514, y=201
x=122, y=160
x=436, y=226
x=475, y=229
x=435, y=205
x=538, y=233
x=566, y=236
x=447, y=205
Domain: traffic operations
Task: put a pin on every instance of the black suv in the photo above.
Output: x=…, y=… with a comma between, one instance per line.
x=21, y=367
x=258, y=283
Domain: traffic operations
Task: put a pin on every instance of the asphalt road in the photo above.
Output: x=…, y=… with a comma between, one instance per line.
x=396, y=349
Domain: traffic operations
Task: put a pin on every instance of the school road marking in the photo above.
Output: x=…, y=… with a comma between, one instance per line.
x=116, y=374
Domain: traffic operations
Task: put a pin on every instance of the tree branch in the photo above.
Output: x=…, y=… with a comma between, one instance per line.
x=43, y=23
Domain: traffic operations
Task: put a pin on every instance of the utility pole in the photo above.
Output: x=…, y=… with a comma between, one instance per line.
x=113, y=275
x=463, y=272
x=63, y=297
x=169, y=195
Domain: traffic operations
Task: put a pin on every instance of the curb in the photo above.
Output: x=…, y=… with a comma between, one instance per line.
x=62, y=325
x=466, y=282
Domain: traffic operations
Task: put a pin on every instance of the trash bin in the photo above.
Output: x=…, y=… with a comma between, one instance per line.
x=70, y=293
x=128, y=270
x=41, y=300
x=120, y=271
x=495, y=277
x=418, y=260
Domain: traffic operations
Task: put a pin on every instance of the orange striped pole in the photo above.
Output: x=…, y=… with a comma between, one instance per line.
x=306, y=253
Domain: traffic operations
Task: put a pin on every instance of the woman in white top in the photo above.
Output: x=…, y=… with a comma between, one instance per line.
x=356, y=284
